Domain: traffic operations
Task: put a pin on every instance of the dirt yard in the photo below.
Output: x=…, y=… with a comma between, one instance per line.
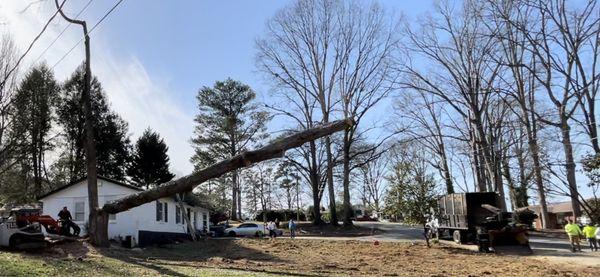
x=227, y=257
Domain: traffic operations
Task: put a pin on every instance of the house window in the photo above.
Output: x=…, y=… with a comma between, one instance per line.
x=196, y=220
x=162, y=212
x=205, y=221
x=79, y=210
x=177, y=215
x=159, y=211
x=166, y=211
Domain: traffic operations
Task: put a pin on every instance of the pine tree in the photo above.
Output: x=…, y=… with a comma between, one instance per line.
x=112, y=139
x=150, y=161
x=229, y=122
x=32, y=109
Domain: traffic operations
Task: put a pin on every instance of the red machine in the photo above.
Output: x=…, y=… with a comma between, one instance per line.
x=25, y=217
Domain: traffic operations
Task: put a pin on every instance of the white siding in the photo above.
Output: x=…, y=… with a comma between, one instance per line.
x=141, y=218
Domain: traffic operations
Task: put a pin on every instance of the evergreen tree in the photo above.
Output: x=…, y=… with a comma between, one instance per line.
x=32, y=109
x=228, y=123
x=112, y=138
x=412, y=190
x=150, y=162
x=288, y=178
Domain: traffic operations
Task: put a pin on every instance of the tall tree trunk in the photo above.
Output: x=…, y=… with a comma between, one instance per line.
x=592, y=126
x=297, y=201
x=480, y=183
x=332, y=209
x=239, y=200
x=530, y=122
x=234, y=196
x=446, y=169
x=98, y=220
x=487, y=156
x=539, y=180
x=315, y=184
x=570, y=165
x=346, y=179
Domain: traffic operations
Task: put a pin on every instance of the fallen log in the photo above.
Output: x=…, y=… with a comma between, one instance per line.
x=275, y=149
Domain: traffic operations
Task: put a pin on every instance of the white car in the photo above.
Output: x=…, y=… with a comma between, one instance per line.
x=246, y=229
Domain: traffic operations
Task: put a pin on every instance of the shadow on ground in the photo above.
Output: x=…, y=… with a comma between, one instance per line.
x=207, y=254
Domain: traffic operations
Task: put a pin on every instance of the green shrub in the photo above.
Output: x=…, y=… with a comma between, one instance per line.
x=281, y=215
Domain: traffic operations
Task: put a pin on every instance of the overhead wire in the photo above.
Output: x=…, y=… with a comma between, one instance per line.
x=7, y=76
x=88, y=33
x=61, y=33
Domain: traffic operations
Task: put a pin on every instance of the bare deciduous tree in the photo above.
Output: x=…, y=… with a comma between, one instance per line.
x=457, y=47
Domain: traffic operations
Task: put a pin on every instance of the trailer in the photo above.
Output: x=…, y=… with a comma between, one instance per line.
x=474, y=217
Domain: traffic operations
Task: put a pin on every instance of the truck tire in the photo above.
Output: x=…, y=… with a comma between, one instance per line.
x=457, y=236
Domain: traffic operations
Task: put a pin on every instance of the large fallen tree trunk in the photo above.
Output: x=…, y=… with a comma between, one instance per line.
x=275, y=149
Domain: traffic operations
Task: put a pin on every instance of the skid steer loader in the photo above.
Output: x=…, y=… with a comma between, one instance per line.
x=21, y=235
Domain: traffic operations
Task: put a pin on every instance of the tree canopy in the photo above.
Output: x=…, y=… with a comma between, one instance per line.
x=150, y=162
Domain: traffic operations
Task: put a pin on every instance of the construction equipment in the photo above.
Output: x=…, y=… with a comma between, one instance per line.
x=19, y=234
x=52, y=226
x=23, y=229
x=474, y=217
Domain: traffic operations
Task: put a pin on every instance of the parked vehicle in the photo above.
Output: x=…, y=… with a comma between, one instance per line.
x=246, y=229
x=474, y=217
x=218, y=230
x=250, y=229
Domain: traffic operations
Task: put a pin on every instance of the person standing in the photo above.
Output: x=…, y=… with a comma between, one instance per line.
x=590, y=234
x=65, y=216
x=292, y=227
x=574, y=233
x=597, y=232
x=272, y=227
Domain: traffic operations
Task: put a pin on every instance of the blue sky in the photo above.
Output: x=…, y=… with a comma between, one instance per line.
x=152, y=56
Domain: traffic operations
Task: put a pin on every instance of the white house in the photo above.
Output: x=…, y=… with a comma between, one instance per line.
x=146, y=224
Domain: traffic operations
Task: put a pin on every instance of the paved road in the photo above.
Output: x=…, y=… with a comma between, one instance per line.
x=393, y=231
x=399, y=232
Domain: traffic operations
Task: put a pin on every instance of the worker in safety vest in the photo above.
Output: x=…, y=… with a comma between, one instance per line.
x=574, y=233
x=590, y=234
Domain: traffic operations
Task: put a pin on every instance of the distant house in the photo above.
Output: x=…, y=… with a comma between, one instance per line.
x=154, y=222
x=557, y=214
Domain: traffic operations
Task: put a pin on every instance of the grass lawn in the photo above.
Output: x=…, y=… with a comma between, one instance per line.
x=256, y=257
x=88, y=261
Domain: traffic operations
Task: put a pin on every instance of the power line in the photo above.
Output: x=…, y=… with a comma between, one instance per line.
x=88, y=33
x=30, y=46
x=61, y=33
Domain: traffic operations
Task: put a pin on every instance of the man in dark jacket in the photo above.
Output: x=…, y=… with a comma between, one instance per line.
x=65, y=216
